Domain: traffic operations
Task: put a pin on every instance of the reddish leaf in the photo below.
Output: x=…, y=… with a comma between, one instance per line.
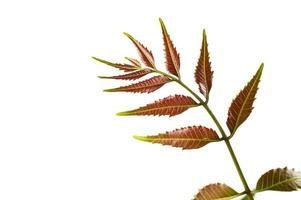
x=124, y=67
x=279, y=180
x=171, y=54
x=242, y=105
x=215, y=192
x=146, y=86
x=187, y=138
x=130, y=76
x=172, y=105
x=203, y=73
x=145, y=54
x=134, y=61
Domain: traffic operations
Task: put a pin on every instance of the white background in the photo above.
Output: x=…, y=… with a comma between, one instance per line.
x=60, y=137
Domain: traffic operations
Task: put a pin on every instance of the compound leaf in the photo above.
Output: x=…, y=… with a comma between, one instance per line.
x=171, y=105
x=192, y=137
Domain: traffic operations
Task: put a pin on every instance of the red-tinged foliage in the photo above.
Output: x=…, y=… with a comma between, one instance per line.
x=146, y=86
x=192, y=137
x=130, y=76
x=145, y=54
x=134, y=61
x=171, y=54
x=203, y=73
x=215, y=192
x=124, y=67
x=242, y=105
x=171, y=105
x=279, y=180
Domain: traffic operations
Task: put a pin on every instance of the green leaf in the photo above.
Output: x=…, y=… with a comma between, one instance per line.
x=216, y=191
x=284, y=180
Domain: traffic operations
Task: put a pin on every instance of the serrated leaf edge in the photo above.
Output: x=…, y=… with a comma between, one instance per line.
x=221, y=186
x=162, y=104
x=257, y=78
x=171, y=50
x=160, y=84
x=279, y=183
x=204, y=70
x=143, y=51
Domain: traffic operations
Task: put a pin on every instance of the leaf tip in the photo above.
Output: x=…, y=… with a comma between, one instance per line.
x=103, y=61
x=128, y=35
x=141, y=138
x=261, y=67
x=109, y=90
x=204, y=33
x=95, y=58
x=99, y=59
x=161, y=21
x=162, y=25
x=122, y=113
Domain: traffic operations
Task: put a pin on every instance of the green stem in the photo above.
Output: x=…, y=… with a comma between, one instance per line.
x=231, y=151
x=224, y=135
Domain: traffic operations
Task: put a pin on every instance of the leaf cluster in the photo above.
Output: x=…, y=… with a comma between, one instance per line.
x=194, y=137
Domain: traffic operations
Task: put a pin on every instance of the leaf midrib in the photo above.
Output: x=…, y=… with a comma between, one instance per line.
x=204, y=63
x=244, y=103
x=161, y=108
x=170, y=47
x=279, y=183
x=146, y=86
x=170, y=50
x=133, y=74
x=183, y=139
x=129, y=75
